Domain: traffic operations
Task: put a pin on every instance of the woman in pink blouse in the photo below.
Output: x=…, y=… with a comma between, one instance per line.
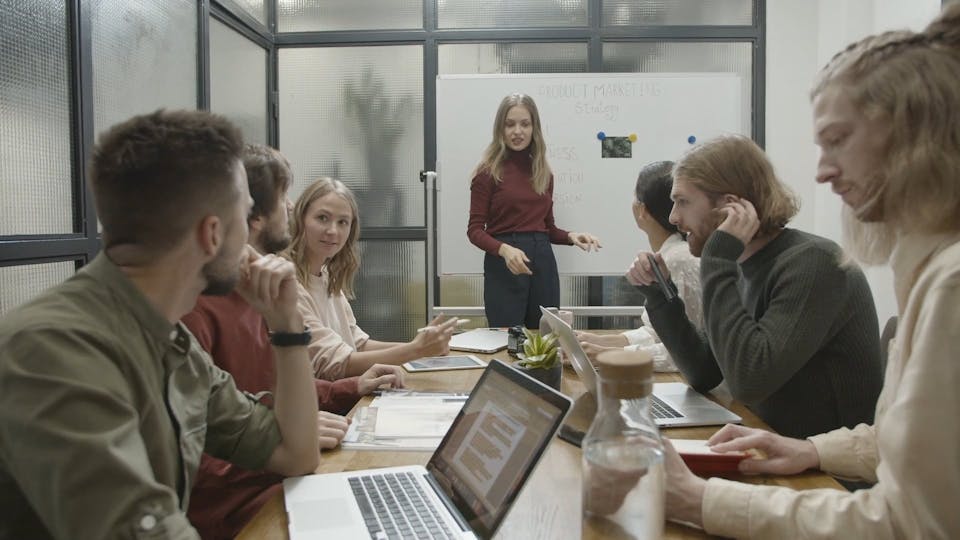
x=325, y=227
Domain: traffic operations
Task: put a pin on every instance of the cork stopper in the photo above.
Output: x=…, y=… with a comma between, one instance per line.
x=626, y=374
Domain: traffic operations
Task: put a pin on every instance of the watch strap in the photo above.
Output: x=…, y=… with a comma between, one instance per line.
x=290, y=339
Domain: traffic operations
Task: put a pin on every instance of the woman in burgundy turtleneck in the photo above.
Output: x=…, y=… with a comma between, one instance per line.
x=511, y=219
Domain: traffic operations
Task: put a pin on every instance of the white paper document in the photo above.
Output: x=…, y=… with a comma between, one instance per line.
x=403, y=422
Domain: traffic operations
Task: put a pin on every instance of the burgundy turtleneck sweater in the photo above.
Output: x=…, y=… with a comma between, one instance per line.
x=510, y=205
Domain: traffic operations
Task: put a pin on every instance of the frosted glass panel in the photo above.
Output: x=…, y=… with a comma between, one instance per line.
x=238, y=80
x=510, y=13
x=317, y=15
x=617, y=291
x=390, y=289
x=19, y=284
x=677, y=12
x=255, y=8
x=704, y=57
x=35, y=142
x=144, y=58
x=356, y=113
x=487, y=58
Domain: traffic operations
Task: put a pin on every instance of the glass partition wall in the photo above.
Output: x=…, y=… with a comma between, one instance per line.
x=345, y=88
x=356, y=93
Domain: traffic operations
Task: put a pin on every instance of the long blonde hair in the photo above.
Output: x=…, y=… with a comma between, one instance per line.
x=908, y=79
x=497, y=151
x=342, y=267
x=734, y=164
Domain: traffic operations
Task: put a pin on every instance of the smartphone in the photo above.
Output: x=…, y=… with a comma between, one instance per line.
x=664, y=285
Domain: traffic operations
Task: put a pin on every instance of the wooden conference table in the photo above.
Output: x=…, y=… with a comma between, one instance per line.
x=549, y=505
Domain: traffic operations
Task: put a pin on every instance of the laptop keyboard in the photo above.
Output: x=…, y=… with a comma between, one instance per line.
x=394, y=506
x=660, y=409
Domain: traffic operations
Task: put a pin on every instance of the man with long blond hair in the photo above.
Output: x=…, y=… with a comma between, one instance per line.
x=791, y=330
x=885, y=120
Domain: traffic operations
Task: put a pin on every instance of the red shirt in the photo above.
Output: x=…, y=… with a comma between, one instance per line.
x=225, y=496
x=510, y=205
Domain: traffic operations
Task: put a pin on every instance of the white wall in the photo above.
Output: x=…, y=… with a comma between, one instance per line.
x=801, y=37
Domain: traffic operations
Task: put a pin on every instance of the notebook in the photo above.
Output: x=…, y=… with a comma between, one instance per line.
x=671, y=405
x=466, y=489
x=480, y=340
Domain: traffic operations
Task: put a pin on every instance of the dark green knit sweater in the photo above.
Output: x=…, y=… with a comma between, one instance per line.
x=793, y=333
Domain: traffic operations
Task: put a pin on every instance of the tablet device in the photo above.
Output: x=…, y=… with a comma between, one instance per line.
x=441, y=363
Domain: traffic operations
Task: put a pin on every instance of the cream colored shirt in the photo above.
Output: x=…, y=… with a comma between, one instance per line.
x=913, y=449
x=333, y=328
x=685, y=273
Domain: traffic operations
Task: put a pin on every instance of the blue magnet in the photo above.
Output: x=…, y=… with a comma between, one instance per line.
x=691, y=139
x=601, y=135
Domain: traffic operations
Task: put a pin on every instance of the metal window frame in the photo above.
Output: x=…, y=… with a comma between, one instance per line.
x=83, y=245
x=593, y=34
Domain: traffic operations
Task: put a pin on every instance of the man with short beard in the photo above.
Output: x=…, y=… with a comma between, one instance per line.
x=107, y=401
x=789, y=327
x=225, y=496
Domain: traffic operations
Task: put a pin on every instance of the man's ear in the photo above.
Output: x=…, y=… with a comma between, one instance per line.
x=210, y=235
x=728, y=198
x=256, y=224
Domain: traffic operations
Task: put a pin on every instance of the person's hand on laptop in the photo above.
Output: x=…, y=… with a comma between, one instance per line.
x=783, y=454
x=434, y=339
x=592, y=350
x=379, y=375
x=331, y=428
x=605, y=340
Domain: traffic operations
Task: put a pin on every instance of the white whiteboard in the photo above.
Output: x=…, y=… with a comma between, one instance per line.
x=591, y=193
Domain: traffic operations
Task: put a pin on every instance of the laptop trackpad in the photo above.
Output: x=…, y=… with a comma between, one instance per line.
x=322, y=514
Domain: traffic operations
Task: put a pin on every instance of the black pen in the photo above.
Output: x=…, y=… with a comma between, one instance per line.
x=664, y=285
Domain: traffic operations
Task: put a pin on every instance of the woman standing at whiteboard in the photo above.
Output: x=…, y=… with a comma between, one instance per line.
x=511, y=219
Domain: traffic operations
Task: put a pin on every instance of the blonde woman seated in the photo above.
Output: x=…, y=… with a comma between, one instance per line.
x=651, y=210
x=325, y=228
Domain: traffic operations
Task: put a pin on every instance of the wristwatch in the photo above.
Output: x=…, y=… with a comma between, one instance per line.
x=290, y=339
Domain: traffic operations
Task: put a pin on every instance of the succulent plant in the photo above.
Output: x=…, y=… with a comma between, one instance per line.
x=539, y=351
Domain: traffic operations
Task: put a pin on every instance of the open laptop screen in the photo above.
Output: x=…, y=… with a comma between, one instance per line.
x=494, y=444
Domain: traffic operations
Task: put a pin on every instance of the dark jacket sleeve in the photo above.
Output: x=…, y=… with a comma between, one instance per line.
x=688, y=347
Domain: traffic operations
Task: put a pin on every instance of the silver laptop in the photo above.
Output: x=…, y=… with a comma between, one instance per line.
x=466, y=489
x=480, y=340
x=672, y=404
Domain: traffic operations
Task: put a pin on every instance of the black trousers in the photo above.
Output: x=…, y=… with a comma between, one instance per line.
x=511, y=300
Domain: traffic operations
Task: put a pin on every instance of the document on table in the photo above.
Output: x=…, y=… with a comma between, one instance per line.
x=411, y=421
